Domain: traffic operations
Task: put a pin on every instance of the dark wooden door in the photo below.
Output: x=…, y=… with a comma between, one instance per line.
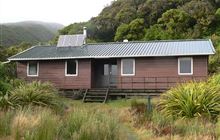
x=105, y=73
x=113, y=72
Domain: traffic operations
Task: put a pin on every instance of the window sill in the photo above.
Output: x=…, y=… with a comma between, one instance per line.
x=32, y=75
x=185, y=74
x=71, y=75
x=127, y=74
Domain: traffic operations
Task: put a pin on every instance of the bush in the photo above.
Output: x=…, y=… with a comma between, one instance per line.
x=36, y=94
x=5, y=87
x=193, y=100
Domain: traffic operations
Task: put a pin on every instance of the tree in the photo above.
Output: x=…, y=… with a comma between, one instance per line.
x=174, y=24
x=217, y=14
x=201, y=10
x=121, y=32
x=156, y=32
x=135, y=30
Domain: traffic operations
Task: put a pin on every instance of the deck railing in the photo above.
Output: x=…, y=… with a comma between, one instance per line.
x=154, y=82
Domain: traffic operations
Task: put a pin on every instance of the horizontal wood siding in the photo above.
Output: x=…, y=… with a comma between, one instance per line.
x=150, y=73
x=161, y=68
x=54, y=71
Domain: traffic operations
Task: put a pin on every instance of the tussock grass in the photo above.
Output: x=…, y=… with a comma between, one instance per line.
x=193, y=100
x=87, y=124
x=5, y=121
x=34, y=124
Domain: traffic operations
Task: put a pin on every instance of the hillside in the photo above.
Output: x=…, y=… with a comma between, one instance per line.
x=150, y=20
x=27, y=31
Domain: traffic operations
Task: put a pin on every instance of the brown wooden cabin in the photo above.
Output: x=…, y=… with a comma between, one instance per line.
x=119, y=65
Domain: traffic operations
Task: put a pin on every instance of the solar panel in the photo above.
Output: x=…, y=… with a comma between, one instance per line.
x=71, y=40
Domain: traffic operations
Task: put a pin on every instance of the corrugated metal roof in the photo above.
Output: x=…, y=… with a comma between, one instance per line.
x=71, y=40
x=122, y=49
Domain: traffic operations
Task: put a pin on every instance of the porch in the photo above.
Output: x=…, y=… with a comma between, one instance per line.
x=106, y=73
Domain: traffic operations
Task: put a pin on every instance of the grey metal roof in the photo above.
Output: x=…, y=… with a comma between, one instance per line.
x=71, y=40
x=117, y=50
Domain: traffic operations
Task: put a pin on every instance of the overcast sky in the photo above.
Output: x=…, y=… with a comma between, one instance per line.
x=60, y=11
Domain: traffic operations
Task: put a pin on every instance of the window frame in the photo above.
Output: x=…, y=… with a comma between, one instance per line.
x=122, y=63
x=76, y=69
x=28, y=63
x=185, y=58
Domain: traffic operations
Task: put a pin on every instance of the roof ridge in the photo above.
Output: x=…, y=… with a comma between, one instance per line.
x=148, y=41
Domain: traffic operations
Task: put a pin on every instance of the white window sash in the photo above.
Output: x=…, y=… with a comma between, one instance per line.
x=76, y=69
x=30, y=75
x=123, y=74
x=185, y=58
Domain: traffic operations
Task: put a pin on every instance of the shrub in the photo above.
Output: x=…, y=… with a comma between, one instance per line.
x=4, y=87
x=36, y=94
x=193, y=100
x=5, y=102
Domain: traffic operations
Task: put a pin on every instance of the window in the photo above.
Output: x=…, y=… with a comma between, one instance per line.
x=185, y=66
x=127, y=67
x=71, y=68
x=32, y=68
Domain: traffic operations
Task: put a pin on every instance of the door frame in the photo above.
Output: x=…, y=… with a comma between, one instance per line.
x=99, y=77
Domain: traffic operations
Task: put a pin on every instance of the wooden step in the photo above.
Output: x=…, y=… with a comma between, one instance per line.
x=93, y=100
x=95, y=95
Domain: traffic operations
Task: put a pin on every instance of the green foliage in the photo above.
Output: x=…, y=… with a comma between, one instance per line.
x=121, y=32
x=174, y=24
x=217, y=14
x=32, y=32
x=5, y=123
x=193, y=100
x=133, y=31
x=36, y=94
x=203, y=11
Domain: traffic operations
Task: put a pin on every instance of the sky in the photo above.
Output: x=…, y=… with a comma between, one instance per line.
x=60, y=11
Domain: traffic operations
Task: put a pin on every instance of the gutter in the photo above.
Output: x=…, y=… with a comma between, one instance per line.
x=6, y=62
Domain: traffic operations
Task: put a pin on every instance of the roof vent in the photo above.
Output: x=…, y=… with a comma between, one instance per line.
x=125, y=40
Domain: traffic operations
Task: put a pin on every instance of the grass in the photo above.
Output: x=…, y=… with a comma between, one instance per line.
x=96, y=121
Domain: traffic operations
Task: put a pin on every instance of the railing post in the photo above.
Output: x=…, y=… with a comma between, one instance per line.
x=149, y=106
x=132, y=83
x=121, y=81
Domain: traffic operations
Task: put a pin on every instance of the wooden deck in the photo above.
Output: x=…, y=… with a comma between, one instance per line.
x=150, y=86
